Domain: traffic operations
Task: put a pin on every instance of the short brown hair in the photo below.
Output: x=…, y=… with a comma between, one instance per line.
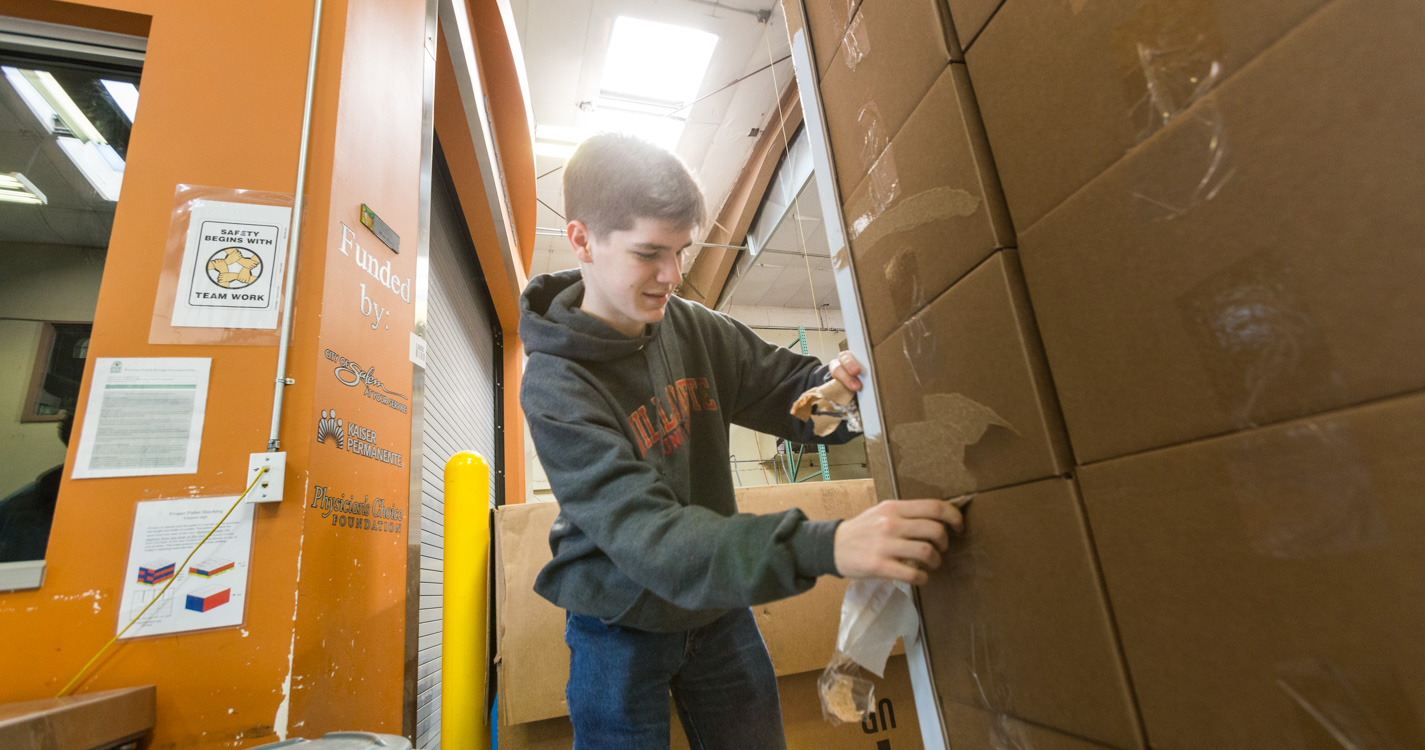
x=612, y=179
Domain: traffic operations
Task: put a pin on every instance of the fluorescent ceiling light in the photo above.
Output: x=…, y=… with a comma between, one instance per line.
x=31, y=96
x=96, y=162
x=653, y=70
x=126, y=95
x=15, y=188
x=656, y=62
x=59, y=99
x=49, y=101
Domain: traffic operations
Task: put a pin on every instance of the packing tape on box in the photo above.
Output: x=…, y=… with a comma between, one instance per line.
x=932, y=451
x=920, y=347
x=1259, y=343
x=907, y=292
x=874, y=136
x=986, y=667
x=883, y=219
x=1206, y=158
x=902, y=269
x=1007, y=733
x=857, y=42
x=1169, y=55
x=1308, y=499
x=1330, y=702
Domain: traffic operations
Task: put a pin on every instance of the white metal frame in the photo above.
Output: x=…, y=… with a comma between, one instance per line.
x=72, y=41
x=927, y=703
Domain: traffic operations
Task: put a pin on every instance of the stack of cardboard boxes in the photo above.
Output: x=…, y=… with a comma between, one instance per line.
x=533, y=661
x=1188, y=393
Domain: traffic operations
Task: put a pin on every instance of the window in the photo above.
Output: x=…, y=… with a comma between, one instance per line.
x=59, y=366
x=68, y=99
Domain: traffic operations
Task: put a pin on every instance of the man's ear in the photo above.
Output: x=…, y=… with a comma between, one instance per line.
x=579, y=241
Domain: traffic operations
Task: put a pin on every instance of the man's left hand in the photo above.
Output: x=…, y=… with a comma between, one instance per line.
x=846, y=369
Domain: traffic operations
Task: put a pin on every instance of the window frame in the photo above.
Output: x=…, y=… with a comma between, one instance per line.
x=43, y=353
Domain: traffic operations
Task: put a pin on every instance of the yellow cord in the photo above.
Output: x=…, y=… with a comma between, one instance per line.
x=63, y=691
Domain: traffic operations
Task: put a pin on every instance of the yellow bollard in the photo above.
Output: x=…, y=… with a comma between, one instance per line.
x=463, y=720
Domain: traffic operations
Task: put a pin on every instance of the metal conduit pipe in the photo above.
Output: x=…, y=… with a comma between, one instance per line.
x=289, y=271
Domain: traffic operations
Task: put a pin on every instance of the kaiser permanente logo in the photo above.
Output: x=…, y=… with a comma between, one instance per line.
x=351, y=375
x=353, y=438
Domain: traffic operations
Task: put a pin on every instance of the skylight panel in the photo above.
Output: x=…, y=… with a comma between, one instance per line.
x=656, y=63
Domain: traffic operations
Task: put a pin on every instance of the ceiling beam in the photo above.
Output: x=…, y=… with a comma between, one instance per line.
x=788, y=318
x=704, y=282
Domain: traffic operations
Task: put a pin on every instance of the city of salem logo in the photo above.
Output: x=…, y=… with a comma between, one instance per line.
x=353, y=438
x=351, y=375
x=231, y=268
x=329, y=426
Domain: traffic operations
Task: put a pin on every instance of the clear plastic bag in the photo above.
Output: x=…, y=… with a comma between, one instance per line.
x=847, y=695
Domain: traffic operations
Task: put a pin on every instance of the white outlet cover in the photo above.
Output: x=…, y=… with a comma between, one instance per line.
x=269, y=488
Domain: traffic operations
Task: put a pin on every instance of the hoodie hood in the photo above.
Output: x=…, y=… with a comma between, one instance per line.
x=552, y=323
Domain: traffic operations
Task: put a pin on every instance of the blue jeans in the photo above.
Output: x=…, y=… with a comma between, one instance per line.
x=720, y=676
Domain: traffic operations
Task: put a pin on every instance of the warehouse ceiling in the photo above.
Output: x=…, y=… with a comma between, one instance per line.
x=53, y=160
x=566, y=44
x=793, y=269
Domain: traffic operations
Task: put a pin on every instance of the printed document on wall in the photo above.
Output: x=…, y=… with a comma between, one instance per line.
x=232, y=266
x=210, y=591
x=144, y=417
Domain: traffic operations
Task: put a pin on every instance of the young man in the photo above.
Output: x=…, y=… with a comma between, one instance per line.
x=629, y=393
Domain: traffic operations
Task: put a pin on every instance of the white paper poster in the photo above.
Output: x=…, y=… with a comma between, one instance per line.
x=144, y=417
x=232, y=266
x=211, y=590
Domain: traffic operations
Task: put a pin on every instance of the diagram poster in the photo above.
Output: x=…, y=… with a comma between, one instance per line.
x=144, y=417
x=232, y=266
x=211, y=590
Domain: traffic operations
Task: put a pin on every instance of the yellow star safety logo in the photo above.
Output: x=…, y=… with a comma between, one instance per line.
x=231, y=268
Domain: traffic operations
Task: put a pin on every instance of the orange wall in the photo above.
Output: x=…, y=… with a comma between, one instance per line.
x=221, y=105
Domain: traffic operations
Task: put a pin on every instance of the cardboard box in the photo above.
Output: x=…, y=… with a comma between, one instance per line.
x=970, y=17
x=895, y=724
x=533, y=663
x=892, y=53
x=929, y=210
x=1267, y=585
x=79, y=722
x=828, y=19
x=1259, y=259
x=1017, y=623
x=1064, y=85
x=972, y=729
x=965, y=390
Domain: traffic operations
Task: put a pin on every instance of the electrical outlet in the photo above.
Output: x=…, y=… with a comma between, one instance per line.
x=269, y=488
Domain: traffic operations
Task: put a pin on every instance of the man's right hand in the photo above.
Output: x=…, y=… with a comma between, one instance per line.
x=895, y=538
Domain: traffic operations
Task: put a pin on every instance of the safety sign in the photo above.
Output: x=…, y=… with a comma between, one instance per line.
x=231, y=275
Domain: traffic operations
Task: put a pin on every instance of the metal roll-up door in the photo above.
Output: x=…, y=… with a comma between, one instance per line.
x=462, y=396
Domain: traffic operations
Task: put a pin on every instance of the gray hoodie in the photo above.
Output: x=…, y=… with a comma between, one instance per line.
x=633, y=433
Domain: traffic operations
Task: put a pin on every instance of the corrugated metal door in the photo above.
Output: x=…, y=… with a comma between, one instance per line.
x=461, y=398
